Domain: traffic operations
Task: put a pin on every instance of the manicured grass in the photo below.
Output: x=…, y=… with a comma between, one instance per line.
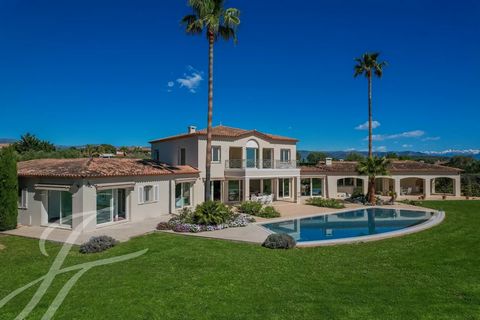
x=434, y=274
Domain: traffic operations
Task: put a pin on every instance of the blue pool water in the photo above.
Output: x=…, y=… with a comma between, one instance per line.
x=349, y=224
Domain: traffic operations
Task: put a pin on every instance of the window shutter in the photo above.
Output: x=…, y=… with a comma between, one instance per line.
x=156, y=192
x=140, y=195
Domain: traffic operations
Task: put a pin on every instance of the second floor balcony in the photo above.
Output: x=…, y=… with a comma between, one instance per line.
x=260, y=164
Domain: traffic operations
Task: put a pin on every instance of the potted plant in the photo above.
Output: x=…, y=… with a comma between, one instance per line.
x=444, y=196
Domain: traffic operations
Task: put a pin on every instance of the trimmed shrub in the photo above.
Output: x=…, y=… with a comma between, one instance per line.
x=327, y=203
x=98, y=244
x=279, y=241
x=8, y=189
x=250, y=207
x=164, y=226
x=268, y=212
x=212, y=213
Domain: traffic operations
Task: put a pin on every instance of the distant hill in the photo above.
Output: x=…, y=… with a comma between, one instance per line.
x=343, y=154
x=7, y=140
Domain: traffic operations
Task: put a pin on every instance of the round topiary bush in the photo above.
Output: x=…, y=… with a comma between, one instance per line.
x=98, y=244
x=279, y=241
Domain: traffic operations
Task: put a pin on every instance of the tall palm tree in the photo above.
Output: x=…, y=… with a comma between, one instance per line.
x=211, y=16
x=369, y=65
x=373, y=167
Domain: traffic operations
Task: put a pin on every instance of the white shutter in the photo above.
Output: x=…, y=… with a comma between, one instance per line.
x=140, y=195
x=156, y=192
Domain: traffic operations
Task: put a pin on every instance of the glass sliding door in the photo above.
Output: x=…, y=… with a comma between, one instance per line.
x=284, y=188
x=182, y=195
x=234, y=190
x=59, y=208
x=316, y=187
x=267, y=187
x=111, y=205
x=305, y=187
x=267, y=158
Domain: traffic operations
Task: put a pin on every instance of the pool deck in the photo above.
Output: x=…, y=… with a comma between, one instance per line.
x=253, y=233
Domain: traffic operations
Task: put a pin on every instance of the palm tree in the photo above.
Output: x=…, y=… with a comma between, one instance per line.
x=211, y=16
x=373, y=167
x=369, y=65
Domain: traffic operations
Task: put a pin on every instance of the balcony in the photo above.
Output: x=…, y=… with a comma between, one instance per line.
x=259, y=164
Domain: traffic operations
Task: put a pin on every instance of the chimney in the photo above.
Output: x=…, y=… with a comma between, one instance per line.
x=328, y=161
x=192, y=129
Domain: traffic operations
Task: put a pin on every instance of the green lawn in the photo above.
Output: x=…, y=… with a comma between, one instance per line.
x=434, y=274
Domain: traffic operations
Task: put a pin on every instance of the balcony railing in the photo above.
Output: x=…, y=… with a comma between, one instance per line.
x=259, y=164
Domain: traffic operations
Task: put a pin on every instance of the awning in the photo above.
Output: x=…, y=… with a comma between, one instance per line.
x=115, y=185
x=55, y=187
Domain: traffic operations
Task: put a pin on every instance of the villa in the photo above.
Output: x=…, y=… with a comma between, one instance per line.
x=86, y=194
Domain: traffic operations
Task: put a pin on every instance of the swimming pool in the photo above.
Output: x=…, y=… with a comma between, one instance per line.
x=355, y=224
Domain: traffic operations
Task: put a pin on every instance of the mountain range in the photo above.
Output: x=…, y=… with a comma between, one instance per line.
x=445, y=154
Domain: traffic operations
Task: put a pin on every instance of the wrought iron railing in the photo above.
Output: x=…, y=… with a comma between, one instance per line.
x=259, y=164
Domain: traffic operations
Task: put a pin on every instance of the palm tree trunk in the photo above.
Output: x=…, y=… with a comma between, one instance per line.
x=210, y=115
x=371, y=190
x=370, y=152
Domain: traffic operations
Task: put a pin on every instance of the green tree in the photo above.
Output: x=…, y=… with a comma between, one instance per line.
x=211, y=16
x=8, y=189
x=29, y=142
x=354, y=156
x=373, y=167
x=391, y=155
x=315, y=156
x=369, y=65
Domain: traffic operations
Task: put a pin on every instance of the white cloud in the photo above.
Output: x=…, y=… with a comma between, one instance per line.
x=381, y=149
x=170, y=84
x=406, y=134
x=364, y=126
x=431, y=139
x=407, y=145
x=190, y=81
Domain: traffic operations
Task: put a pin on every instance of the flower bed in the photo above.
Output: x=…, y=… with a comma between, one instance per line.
x=179, y=224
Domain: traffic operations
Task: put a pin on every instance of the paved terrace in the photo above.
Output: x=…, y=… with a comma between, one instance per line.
x=252, y=233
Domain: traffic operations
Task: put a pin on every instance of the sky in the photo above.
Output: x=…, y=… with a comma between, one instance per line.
x=124, y=72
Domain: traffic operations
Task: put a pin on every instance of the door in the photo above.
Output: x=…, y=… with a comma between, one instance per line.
x=59, y=208
x=284, y=188
x=216, y=191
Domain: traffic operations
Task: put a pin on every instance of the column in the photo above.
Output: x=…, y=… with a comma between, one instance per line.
x=332, y=187
x=396, y=186
x=426, y=187
x=172, y=196
x=365, y=185
x=298, y=191
x=457, y=186
x=246, y=189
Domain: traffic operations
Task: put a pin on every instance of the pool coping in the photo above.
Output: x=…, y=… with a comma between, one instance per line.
x=436, y=219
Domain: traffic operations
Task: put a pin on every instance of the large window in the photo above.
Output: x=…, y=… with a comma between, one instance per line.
x=267, y=187
x=22, y=198
x=252, y=157
x=306, y=187
x=316, y=187
x=59, y=208
x=311, y=187
x=285, y=155
x=183, y=194
x=216, y=154
x=234, y=190
x=216, y=190
x=111, y=205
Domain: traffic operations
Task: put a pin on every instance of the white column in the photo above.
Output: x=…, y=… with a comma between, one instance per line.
x=396, y=185
x=426, y=187
x=457, y=186
x=365, y=185
x=298, y=191
x=172, y=196
x=433, y=185
x=332, y=187
x=246, y=189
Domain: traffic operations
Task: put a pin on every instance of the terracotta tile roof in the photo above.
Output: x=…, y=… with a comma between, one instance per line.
x=227, y=132
x=97, y=168
x=396, y=167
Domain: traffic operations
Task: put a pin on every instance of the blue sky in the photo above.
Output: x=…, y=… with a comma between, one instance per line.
x=124, y=72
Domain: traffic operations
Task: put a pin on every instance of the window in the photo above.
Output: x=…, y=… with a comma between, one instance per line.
x=216, y=156
x=22, y=198
x=216, y=190
x=234, y=190
x=305, y=187
x=156, y=155
x=182, y=194
x=285, y=155
x=182, y=156
x=267, y=187
x=111, y=205
x=316, y=187
x=284, y=188
x=148, y=193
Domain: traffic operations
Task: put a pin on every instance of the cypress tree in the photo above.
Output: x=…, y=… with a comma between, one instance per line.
x=8, y=189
